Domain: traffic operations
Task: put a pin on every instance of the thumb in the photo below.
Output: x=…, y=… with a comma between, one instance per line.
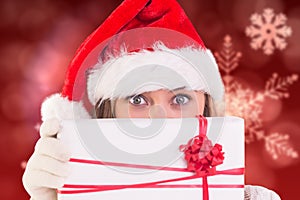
x=50, y=128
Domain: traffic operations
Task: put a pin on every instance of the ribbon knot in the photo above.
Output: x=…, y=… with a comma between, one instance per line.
x=200, y=154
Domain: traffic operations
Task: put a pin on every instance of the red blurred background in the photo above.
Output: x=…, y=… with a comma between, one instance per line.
x=39, y=38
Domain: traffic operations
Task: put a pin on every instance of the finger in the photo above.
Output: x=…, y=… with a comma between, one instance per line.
x=49, y=128
x=54, y=148
x=50, y=165
x=35, y=179
x=44, y=194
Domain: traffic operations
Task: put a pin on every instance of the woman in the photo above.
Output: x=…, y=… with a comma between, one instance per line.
x=153, y=64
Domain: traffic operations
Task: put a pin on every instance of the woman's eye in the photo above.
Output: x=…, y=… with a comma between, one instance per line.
x=181, y=99
x=137, y=100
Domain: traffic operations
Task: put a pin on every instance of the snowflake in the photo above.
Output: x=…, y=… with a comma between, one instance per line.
x=238, y=95
x=268, y=31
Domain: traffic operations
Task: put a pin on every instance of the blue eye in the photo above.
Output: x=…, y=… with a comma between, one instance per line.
x=181, y=99
x=137, y=100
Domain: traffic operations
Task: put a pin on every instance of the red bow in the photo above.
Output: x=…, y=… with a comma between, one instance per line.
x=201, y=155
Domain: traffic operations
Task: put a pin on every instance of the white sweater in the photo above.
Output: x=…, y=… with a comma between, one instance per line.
x=259, y=193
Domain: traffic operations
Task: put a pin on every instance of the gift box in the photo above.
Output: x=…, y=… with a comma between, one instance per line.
x=194, y=158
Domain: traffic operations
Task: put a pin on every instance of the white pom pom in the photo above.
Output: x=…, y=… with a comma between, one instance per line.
x=58, y=107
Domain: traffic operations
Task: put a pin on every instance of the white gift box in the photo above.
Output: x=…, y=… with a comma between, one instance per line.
x=110, y=157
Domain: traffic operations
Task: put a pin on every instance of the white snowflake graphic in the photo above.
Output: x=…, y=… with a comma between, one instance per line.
x=238, y=95
x=268, y=31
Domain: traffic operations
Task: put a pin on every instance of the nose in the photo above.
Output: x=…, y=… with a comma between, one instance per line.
x=157, y=111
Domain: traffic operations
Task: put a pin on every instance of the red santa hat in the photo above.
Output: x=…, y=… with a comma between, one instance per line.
x=142, y=46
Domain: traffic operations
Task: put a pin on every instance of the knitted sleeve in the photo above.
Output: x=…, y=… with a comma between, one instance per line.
x=259, y=193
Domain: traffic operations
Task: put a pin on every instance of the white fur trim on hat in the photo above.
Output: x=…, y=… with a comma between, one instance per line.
x=138, y=72
x=58, y=107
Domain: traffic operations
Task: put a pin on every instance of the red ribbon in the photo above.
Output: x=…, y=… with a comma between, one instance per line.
x=201, y=155
x=156, y=184
x=202, y=158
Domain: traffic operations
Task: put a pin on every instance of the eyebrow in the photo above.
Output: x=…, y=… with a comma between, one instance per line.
x=130, y=96
x=180, y=88
x=170, y=91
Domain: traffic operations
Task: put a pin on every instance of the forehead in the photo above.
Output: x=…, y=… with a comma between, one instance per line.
x=171, y=92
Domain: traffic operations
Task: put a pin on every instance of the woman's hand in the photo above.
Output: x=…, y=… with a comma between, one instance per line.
x=259, y=193
x=48, y=166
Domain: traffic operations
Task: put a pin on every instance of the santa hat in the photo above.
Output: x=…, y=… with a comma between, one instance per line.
x=142, y=46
